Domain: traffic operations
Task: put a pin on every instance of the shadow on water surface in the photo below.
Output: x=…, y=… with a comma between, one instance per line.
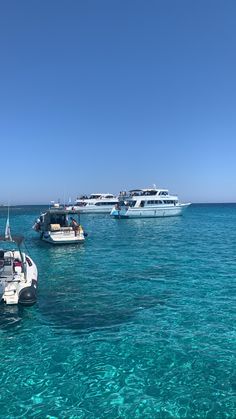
x=79, y=317
x=85, y=318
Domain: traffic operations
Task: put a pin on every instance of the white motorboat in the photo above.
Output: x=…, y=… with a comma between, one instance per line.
x=154, y=202
x=18, y=272
x=60, y=226
x=95, y=203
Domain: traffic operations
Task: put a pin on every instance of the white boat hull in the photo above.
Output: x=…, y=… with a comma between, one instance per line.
x=62, y=237
x=155, y=212
x=93, y=209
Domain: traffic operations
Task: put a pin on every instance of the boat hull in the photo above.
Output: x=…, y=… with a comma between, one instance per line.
x=93, y=209
x=58, y=238
x=163, y=211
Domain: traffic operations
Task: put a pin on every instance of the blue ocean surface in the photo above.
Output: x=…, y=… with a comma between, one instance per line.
x=137, y=322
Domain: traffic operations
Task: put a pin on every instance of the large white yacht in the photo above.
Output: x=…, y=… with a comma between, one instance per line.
x=153, y=202
x=97, y=203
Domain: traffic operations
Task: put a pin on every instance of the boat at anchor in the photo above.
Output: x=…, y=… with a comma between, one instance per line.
x=60, y=226
x=140, y=203
x=98, y=203
x=18, y=272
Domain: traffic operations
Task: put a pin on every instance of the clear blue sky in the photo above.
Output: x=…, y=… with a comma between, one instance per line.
x=105, y=95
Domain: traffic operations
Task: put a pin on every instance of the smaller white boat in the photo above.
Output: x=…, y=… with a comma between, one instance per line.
x=142, y=203
x=60, y=226
x=18, y=272
x=98, y=203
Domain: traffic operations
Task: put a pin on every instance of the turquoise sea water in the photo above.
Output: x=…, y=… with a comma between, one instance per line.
x=138, y=322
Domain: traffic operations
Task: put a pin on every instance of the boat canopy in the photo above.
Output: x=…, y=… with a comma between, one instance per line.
x=59, y=217
x=62, y=211
x=148, y=192
x=135, y=190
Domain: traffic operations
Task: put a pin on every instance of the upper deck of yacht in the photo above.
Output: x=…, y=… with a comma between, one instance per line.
x=95, y=196
x=146, y=193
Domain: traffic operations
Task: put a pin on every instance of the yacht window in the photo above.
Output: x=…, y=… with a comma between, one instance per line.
x=132, y=203
x=148, y=193
x=105, y=203
x=142, y=203
x=155, y=202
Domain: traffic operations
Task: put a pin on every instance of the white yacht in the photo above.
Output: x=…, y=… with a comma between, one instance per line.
x=60, y=226
x=154, y=202
x=18, y=272
x=99, y=203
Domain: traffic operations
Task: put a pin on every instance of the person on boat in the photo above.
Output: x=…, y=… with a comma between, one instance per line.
x=37, y=224
x=74, y=225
